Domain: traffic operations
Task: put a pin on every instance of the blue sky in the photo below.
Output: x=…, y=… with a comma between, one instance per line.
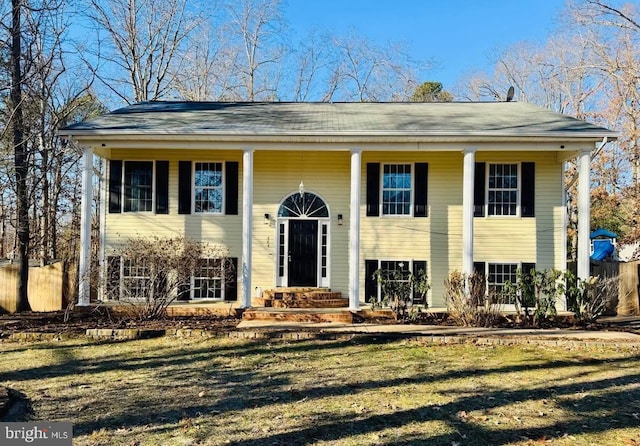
x=459, y=35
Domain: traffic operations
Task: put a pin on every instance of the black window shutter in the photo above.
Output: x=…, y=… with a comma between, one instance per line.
x=184, y=291
x=231, y=285
x=479, y=190
x=370, y=283
x=420, y=208
x=115, y=186
x=419, y=270
x=373, y=189
x=527, y=268
x=162, y=187
x=528, y=191
x=113, y=277
x=231, y=188
x=184, y=187
x=479, y=267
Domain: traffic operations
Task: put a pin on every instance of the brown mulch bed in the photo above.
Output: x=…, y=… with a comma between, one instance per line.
x=567, y=322
x=79, y=322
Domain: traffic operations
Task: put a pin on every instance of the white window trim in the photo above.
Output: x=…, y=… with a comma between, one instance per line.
x=324, y=281
x=518, y=193
x=411, y=192
x=192, y=288
x=121, y=282
x=193, y=188
x=153, y=187
x=504, y=306
x=283, y=281
x=410, y=263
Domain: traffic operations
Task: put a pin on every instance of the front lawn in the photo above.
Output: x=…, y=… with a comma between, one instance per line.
x=369, y=390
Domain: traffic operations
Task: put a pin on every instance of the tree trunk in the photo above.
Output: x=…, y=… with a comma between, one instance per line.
x=20, y=158
x=46, y=205
x=3, y=228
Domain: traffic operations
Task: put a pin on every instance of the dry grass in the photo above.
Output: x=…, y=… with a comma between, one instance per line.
x=365, y=391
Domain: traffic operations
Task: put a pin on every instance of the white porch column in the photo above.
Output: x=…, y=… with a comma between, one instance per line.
x=469, y=169
x=354, y=231
x=247, y=225
x=584, y=213
x=84, y=282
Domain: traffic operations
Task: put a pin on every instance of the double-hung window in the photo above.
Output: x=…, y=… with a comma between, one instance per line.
x=136, y=279
x=395, y=272
x=138, y=186
x=503, y=189
x=499, y=275
x=208, y=188
x=208, y=280
x=396, y=189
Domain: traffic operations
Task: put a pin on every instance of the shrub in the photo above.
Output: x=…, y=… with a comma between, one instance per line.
x=467, y=302
x=397, y=287
x=158, y=270
x=535, y=294
x=590, y=298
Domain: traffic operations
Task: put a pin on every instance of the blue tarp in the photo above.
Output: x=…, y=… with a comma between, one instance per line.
x=602, y=233
x=602, y=249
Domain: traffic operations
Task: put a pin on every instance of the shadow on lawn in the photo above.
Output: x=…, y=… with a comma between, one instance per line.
x=245, y=386
x=587, y=416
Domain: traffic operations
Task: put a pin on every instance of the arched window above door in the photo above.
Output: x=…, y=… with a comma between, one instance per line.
x=306, y=205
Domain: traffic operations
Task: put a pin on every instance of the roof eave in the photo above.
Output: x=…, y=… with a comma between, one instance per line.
x=344, y=137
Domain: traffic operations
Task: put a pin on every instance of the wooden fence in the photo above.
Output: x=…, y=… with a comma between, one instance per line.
x=46, y=287
x=629, y=291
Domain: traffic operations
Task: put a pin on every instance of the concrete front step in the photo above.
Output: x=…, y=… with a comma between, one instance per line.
x=298, y=315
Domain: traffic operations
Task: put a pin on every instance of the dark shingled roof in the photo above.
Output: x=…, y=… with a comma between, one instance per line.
x=500, y=119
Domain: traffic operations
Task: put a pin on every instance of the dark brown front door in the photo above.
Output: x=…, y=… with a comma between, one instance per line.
x=303, y=253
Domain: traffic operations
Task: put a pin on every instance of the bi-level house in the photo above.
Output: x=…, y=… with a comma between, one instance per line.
x=323, y=194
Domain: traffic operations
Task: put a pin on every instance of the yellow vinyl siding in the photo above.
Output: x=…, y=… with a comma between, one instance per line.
x=436, y=238
x=276, y=176
x=537, y=240
x=394, y=237
x=216, y=229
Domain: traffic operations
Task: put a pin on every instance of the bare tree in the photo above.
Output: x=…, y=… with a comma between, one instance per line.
x=16, y=123
x=247, y=53
x=309, y=62
x=613, y=34
x=365, y=72
x=146, y=37
x=200, y=73
x=588, y=69
x=256, y=30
